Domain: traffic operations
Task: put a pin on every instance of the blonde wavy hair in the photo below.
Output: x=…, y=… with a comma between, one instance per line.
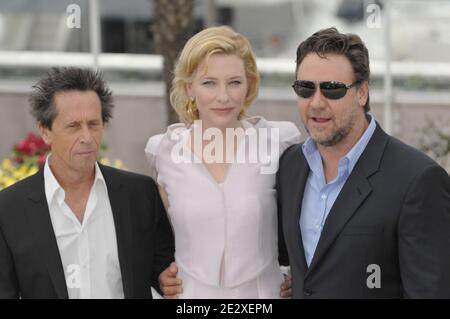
x=213, y=40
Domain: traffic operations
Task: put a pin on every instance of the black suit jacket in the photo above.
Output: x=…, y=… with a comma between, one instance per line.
x=393, y=211
x=30, y=263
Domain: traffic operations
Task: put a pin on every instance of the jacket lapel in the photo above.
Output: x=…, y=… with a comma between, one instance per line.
x=120, y=205
x=356, y=189
x=43, y=234
x=297, y=178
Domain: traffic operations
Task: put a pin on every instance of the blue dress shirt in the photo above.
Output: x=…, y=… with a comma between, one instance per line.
x=319, y=196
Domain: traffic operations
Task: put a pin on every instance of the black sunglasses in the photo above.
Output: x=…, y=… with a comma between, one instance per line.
x=330, y=89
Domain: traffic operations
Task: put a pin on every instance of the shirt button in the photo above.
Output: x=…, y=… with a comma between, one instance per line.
x=307, y=292
x=324, y=196
x=317, y=226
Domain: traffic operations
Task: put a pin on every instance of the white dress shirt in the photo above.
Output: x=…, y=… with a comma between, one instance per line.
x=88, y=250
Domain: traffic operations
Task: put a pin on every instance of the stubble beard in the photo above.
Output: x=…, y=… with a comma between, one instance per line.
x=337, y=135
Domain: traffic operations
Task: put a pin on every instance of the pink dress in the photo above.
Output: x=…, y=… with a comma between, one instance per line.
x=225, y=233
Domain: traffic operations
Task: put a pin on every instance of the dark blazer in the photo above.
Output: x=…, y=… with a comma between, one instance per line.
x=393, y=211
x=30, y=263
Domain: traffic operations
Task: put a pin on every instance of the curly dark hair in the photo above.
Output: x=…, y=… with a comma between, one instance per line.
x=61, y=79
x=332, y=41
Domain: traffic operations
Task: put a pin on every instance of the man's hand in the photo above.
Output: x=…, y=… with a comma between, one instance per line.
x=285, y=289
x=169, y=284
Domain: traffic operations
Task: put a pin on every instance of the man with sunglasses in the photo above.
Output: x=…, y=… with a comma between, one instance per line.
x=363, y=215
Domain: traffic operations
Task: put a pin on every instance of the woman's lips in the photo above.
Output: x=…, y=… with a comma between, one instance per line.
x=223, y=110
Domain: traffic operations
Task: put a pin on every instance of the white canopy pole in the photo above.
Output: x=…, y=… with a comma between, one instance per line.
x=94, y=32
x=210, y=13
x=387, y=110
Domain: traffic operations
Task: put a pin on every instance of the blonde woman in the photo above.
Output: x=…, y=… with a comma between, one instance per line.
x=217, y=184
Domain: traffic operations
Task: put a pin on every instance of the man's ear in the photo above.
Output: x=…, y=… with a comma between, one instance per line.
x=45, y=133
x=363, y=91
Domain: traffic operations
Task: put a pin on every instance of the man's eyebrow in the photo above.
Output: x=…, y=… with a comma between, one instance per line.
x=72, y=122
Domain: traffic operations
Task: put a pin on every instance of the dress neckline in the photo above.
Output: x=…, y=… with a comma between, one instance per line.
x=246, y=123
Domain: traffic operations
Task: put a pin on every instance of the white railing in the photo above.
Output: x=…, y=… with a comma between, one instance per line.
x=153, y=63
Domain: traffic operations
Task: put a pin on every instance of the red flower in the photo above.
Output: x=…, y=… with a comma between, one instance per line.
x=41, y=159
x=22, y=147
x=31, y=145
